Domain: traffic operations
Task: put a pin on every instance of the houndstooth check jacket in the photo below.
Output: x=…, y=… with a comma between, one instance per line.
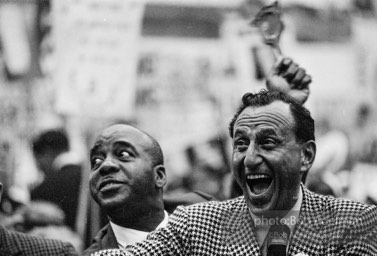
x=326, y=226
x=14, y=243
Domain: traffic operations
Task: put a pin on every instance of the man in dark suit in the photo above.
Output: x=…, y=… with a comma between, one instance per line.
x=61, y=171
x=15, y=243
x=273, y=149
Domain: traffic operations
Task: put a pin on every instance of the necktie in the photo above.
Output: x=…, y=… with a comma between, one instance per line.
x=277, y=240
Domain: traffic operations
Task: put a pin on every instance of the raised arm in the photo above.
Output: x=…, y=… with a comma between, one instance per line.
x=288, y=77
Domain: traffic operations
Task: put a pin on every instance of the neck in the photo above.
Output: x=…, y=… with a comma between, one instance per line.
x=139, y=218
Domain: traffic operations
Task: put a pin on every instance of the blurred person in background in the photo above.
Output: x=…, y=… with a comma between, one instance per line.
x=208, y=167
x=364, y=135
x=328, y=175
x=61, y=173
x=15, y=243
x=363, y=174
x=126, y=180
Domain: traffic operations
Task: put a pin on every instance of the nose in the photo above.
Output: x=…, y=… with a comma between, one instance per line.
x=252, y=158
x=108, y=166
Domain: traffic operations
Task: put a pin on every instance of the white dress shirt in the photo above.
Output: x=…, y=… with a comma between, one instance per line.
x=127, y=236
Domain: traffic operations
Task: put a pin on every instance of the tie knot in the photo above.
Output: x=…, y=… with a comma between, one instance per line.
x=277, y=240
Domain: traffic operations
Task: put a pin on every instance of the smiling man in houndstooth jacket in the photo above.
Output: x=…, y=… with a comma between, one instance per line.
x=273, y=149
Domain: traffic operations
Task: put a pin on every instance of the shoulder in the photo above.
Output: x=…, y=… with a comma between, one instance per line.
x=340, y=204
x=343, y=209
x=33, y=245
x=353, y=212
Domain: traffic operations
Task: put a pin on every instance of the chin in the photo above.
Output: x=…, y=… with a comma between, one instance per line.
x=258, y=206
x=264, y=209
x=110, y=204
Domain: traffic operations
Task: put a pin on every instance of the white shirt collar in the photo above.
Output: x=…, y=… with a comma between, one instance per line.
x=127, y=236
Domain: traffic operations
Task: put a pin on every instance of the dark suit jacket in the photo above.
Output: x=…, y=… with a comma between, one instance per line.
x=326, y=226
x=105, y=239
x=14, y=243
x=62, y=189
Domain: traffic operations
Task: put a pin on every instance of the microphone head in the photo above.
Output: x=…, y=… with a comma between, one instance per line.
x=277, y=240
x=110, y=252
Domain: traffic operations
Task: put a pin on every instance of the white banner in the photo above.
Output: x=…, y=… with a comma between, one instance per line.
x=14, y=39
x=97, y=51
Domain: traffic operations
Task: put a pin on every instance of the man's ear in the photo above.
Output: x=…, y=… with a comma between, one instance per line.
x=159, y=176
x=308, y=152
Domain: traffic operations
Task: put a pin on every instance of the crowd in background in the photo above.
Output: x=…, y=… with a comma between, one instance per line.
x=55, y=202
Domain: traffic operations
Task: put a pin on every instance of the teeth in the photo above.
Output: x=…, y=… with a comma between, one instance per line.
x=258, y=183
x=257, y=176
x=109, y=184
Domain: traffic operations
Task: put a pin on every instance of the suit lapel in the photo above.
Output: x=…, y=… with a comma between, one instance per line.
x=239, y=230
x=307, y=236
x=109, y=240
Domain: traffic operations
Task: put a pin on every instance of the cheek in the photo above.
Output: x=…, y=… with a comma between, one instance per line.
x=141, y=177
x=289, y=174
x=93, y=180
x=237, y=160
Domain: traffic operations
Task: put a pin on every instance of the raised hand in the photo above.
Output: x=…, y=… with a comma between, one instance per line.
x=288, y=77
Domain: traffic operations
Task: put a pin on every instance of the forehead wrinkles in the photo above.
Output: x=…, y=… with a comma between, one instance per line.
x=114, y=134
x=134, y=138
x=276, y=119
x=103, y=140
x=107, y=138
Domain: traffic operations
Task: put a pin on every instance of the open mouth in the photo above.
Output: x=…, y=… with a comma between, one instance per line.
x=108, y=185
x=258, y=183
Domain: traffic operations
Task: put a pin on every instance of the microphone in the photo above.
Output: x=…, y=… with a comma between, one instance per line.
x=277, y=240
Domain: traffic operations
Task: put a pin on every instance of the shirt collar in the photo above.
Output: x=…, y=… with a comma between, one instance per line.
x=127, y=236
x=290, y=219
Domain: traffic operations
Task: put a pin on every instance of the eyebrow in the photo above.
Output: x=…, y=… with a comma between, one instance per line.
x=264, y=131
x=125, y=144
x=94, y=149
x=268, y=131
x=238, y=131
x=122, y=143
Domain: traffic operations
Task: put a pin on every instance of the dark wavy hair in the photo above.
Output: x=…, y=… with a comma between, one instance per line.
x=304, y=123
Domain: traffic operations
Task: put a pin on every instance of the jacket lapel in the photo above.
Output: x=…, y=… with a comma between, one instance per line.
x=109, y=241
x=307, y=236
x=239, y=230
